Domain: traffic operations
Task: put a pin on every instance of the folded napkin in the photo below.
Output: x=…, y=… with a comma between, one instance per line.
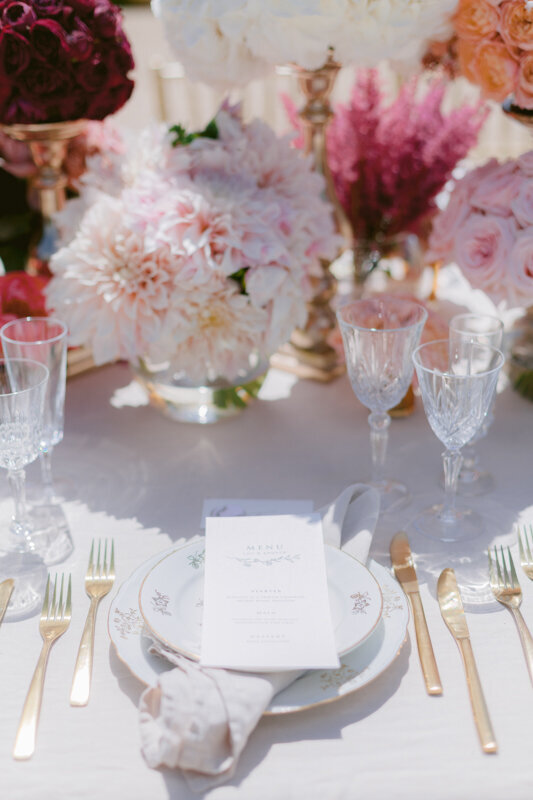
x=197, y=718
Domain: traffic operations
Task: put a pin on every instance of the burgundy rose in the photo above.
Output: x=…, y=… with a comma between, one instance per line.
x=47, y=8
x=105, y=103
x=71, y=105
x=92, y=74
x=14, y=52
x=82, y=7
x=22, y=110
x=19, y=16
x=49, y=40
x=80, y=42
x=40, y=80
x=105, y=20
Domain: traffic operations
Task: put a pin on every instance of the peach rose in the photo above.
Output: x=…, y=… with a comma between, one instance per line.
x=494, y=70
x=517, y=24
x=482, y=249
x=520, y=270
x=524, y=91
x=466, y=52
x=476, y=19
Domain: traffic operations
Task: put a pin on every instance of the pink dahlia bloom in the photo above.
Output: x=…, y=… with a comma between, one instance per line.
x=199, y=253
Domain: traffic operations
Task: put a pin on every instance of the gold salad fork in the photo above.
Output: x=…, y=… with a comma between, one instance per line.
x=525, y=545
x=506, y=590
x=99, y=579
x=55, y=619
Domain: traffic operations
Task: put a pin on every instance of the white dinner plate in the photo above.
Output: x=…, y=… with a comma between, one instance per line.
x=172, y=592
x=358, y=668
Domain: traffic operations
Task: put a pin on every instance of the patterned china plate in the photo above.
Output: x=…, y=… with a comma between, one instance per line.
x=171, y=599
x=358, y=668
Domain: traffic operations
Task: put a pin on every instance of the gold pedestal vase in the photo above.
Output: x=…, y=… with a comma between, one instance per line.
x=48, y=143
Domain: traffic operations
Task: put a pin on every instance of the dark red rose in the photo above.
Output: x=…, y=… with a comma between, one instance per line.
x=40, y=80
x=14, y=52
x=21, y=110
x=70, y=105
x=105, y=20
x=105, y=103
x=21, y=295
x=82, y=7
x=19, y=16
x=49, y=40
x=80, y=42
x=47, y=8
x=92, y=74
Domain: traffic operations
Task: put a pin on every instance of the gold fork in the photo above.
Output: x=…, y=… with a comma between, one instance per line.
x=506, y=590
x=98, y=582
x=525, y=547
x=55, y=619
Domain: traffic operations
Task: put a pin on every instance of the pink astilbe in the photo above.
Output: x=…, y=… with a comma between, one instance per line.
x=390, y=161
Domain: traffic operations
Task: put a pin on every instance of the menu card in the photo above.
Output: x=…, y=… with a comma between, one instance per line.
x=249, y=507
x=266, y=604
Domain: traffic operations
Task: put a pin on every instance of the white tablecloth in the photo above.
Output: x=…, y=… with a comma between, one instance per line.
x=133, y=474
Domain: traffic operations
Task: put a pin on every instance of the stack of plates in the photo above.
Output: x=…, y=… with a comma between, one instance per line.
x=164, y=598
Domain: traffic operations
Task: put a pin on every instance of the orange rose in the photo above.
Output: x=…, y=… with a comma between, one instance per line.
x=466, y=53
x=476, y=19
x=517, y=24
x=494, y=70
x=524, y=90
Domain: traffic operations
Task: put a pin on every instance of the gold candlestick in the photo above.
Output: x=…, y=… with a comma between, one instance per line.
x=308, y=354
x=48, y=144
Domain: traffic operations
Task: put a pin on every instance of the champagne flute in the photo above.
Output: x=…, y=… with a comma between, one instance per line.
x=22, y=393
x=379, y=336
x=481, y=329
x=44, y=339
x=457, y=382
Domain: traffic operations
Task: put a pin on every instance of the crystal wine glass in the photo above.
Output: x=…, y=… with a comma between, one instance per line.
x=22, y=393
x=457, y=381
x=379, y=336
x=44, y=339
x=481, y=329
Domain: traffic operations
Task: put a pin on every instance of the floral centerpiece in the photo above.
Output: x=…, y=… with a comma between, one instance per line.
x=487, y=230
x=202, y=257
x=62, y=62
x=231, y=43
x=495, y=47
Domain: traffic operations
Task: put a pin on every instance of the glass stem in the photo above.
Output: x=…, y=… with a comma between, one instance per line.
x=452, y=460
x=379, y=435
x=19, y=521
x=469, y=464
x=45, y=459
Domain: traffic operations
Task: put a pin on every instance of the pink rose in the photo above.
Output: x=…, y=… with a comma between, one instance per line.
x=520, y=270
x=482, y=248
x=525, y=162
x=498, y=189
x=442, y=239
x=522, y=205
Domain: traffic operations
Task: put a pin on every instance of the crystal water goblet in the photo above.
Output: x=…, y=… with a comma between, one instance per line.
x=44, y=339
x=481, y=329
x=22, y=393
x=379, y=336
x=457, y=382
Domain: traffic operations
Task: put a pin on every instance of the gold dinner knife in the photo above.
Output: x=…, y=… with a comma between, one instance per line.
x=6, y=588
x=402, y=561
x=452, y=611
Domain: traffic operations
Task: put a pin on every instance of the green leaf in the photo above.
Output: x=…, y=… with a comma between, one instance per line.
x=524, y=384
x=240, y=278
x=181, y=137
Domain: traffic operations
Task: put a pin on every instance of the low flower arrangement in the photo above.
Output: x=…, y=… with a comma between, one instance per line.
x=487, y=229
x=495, y=47
x=61, y=62
x=231, y=43
x=200, y=253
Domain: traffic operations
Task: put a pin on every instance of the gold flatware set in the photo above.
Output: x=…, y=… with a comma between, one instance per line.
x=55, y=619
x=506, y=590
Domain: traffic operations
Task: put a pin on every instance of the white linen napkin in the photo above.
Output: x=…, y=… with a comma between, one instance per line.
x=198, y=719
